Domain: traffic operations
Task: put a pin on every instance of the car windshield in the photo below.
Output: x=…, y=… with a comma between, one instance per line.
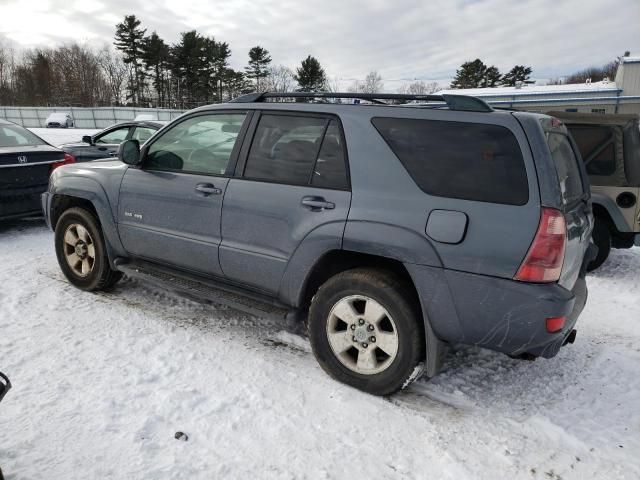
x=15, y=136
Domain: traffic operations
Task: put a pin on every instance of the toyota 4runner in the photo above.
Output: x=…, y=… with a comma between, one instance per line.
x=394, y=230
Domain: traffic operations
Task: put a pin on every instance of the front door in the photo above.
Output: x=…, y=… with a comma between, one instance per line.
x=294, y=183
x=169, y=209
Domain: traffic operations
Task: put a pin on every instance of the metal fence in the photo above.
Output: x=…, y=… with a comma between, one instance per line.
x=34, y=117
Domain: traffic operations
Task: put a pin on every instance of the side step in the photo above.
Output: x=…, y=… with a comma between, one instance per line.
x=251, y=303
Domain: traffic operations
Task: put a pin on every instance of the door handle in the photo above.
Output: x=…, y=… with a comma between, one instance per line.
x=208, y=189
x=317, y=203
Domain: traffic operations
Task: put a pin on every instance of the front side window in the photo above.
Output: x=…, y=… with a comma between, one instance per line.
x=469, y=161
x=142, y=134
x=201, y=144
x=114, y=136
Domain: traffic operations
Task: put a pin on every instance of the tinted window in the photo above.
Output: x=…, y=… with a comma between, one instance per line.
x=597, y=148
x=566, y=167
x=15, y=136
x=201, y=144
x=330, y=170
x=285, y=148
x=459, y=160
x=116, y=136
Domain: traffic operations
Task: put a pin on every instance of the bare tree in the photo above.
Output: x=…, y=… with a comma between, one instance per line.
x=279, y=79
x=420, y=88
x=372, y=84
x=116, y=73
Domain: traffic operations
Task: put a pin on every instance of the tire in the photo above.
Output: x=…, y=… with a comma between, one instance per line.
x=382, y=372
x=81, y=228
x=602, y=238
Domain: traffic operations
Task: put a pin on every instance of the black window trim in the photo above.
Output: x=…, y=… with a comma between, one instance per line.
x=524, y=162
x=249, y=137
x=233, y=159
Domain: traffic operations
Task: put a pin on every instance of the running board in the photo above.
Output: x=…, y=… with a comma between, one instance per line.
x=255, y=304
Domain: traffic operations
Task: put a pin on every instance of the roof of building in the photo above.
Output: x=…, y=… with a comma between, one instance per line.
x=635, y=59
x=571, y=88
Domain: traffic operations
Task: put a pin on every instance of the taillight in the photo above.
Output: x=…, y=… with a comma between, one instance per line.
x=545, y=257
x=68, y=158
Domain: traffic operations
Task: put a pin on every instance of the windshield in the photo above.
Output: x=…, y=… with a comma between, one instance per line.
x=566, y=167
x=15, y=136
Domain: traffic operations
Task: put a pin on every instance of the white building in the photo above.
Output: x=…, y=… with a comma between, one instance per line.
x=621, y=95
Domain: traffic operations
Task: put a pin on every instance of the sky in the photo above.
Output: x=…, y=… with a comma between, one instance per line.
x=403, y=40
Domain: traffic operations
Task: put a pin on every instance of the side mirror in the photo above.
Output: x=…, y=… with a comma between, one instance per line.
x=129, y=152
x=87, y=139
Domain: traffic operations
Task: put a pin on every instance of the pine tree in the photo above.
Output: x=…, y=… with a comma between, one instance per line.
x=259, y=61
x=516, y=75
x=129, y=39
x=189, y=67
x=476, y=74
x=310, y=76
x=155, y=56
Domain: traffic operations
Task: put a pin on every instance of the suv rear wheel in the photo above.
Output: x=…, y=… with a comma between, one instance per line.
x=602, y=238
x=366, y=331
x=81, y=251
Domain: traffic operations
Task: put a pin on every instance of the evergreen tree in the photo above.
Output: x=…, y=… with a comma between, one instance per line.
x=310, y=76
x=189, y=67
x=517, y=74
x=216, y=58
x=491, y=77
x=155, y=56
x=257, y=69
x=476, y=74
x=129, y=39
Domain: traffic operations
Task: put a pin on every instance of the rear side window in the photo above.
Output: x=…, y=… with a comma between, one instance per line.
x=597, y=148
x=297, y=150
x=567, y=168
x=330, y=170
x=469, y=161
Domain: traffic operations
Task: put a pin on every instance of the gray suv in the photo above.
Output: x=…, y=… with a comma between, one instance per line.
x=393, y=230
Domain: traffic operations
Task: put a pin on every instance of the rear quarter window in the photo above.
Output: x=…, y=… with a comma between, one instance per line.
x=566, y=164
x=462, y=160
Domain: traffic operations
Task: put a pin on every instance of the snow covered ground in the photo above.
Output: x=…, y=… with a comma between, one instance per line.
x=58, y=136
x=104, y=381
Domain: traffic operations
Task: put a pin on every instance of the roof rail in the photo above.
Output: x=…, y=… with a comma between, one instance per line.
x=454, y=102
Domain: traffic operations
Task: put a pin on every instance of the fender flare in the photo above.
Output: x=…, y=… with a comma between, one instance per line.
x=612, y=209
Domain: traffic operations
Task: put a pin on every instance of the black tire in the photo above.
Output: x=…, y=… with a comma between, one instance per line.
x=394, y=295
x=101, y=276
x=602, y=238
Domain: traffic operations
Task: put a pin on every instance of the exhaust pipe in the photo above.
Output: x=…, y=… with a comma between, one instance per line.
x=570, y=338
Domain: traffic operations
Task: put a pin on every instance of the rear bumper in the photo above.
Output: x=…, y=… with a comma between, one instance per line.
x=21, y=203
x=499, y=314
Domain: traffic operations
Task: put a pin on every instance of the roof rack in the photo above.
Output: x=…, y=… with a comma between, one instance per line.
x=453, y=102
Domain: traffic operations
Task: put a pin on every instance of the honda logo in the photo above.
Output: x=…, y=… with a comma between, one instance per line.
x=22, y=159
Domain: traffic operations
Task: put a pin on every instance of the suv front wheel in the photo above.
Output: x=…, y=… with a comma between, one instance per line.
x=81, y=251
x=366, y=330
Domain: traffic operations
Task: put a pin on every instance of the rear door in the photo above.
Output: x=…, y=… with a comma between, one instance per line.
x=169, y=209
x=293, y=181
x=575, y=199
